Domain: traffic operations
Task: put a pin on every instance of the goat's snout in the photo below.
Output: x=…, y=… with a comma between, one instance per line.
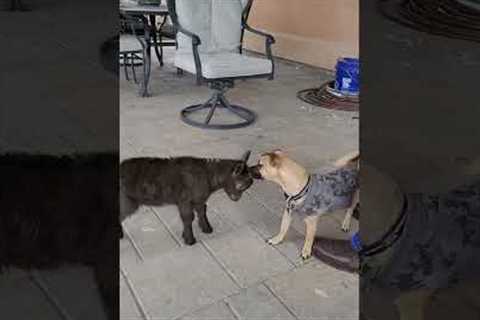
x=255, y=171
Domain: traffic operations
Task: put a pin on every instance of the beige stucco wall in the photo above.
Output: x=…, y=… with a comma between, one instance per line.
x=314, y=32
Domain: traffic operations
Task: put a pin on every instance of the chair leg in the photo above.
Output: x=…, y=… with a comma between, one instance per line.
x=218, y=101
x=231, y=108
x=162, y=24
x=161, y=49
x=146, y=74
x=213, y=106
x=205, y=105
x=125, y=67
x=132, y=62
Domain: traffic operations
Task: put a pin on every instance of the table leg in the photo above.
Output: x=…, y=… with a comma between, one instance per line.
x=154, y=37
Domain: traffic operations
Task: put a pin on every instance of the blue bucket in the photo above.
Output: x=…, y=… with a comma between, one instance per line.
x=356, y=243
x=347, y=79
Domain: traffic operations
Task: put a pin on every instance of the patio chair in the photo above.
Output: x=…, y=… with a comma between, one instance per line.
x=209, y=39
x=133, y=47
x=166, y=36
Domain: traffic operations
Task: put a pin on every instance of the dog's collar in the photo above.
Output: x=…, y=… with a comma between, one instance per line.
x=292, y=199
x=390, y=237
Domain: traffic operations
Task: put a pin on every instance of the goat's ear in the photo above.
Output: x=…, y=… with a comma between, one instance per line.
x=238, y=169
x=246, y=156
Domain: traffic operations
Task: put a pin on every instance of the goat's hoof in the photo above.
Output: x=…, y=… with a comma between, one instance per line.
x=190, y=241
x=208, y=229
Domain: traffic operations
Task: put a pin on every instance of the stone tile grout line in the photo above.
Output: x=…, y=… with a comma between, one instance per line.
x=39, y=283
x=280, y=300
x=257, y=233
x=224, y=268
x=260, y=202
x=169, y=231
x=136, y=298
x=269, y=210
x=253, y=227
x=232, y=310
x=207, y=305
x=258, y=283
x=135, y=246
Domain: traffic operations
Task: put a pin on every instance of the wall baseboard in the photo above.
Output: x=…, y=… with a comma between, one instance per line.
x=306, y=50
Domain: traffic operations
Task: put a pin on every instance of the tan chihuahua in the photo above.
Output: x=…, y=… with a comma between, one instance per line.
x=311, y=195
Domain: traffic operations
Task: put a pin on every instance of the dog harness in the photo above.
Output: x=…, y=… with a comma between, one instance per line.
x=325, y=192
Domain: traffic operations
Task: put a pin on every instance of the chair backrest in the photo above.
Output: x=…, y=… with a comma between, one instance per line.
x=218, y=23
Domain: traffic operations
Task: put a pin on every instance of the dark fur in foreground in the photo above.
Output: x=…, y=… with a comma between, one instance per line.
x=185, y=182
x=61, y=210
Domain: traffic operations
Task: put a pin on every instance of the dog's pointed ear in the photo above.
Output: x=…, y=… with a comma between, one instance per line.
x=246, y=156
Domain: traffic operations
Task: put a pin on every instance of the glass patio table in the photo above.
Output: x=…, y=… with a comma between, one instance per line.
x=151, y=11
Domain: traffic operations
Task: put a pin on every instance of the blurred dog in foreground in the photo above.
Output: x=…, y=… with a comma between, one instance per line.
x=58, y=210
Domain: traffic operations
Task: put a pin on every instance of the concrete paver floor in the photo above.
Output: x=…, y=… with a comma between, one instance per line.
x=232, y=273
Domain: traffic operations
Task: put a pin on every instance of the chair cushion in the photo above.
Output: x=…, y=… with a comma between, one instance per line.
x=224, y=65
x=218, y=23
x=129, y=43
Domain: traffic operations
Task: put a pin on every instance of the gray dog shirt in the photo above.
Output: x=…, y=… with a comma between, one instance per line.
x=326, y=192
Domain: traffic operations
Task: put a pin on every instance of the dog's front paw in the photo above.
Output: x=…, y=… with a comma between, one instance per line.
x=346, y=225
x=274, y=241
x=347, y=221
x=306, y=253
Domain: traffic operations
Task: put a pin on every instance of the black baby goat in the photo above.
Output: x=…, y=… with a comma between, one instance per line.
x=186, y=182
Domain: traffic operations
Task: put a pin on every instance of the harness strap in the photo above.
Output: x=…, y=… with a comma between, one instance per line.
x=389, y=238
x=291, y=199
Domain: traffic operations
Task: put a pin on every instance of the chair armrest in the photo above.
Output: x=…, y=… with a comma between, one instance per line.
x=195, y=43
x=269, y=38
x=195, y=39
